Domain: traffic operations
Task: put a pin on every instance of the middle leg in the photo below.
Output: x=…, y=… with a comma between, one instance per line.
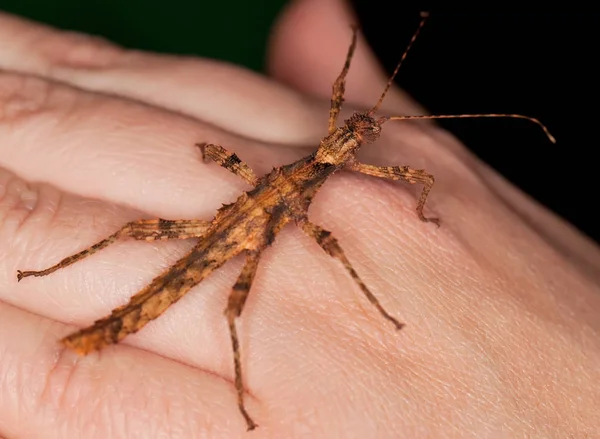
x=228, y=160
x=405, y=173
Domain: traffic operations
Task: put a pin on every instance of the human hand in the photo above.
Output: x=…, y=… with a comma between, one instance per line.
x=500, y=303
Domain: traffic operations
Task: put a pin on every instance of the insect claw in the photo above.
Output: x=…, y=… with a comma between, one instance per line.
x=396, y=323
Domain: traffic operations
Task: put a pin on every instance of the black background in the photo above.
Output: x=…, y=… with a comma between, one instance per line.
x=540, y=63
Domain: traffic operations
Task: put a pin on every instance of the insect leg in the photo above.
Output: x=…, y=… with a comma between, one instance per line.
x=405, y=173
x=339, y=86
x=148, y=230
x=228, y=160
x=326, y=240
x=236, y=302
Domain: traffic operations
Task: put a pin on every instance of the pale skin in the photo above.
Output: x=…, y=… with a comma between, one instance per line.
x=500, y=303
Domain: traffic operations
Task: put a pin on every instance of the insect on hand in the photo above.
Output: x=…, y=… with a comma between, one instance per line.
x=250, y=224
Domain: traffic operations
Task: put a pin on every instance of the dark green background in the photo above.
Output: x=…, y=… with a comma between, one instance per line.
x=231, y=30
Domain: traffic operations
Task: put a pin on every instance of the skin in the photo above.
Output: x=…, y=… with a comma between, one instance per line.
x=500, y=303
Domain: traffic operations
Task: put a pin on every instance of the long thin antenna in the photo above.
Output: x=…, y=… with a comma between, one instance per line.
x=466, y=116
x=424, y=16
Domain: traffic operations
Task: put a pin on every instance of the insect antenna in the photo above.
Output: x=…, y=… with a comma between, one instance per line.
x=467, y=116
x=373, y=110
x=424, y=16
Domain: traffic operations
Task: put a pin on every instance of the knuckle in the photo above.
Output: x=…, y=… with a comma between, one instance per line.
x=34, y=111
x=50, y=48
x=58, y=380
x=44, y=383
x=23, y=207
x=65, y=383
x=22, y=96
x=39, y=49
x=73, y=49
x=18, y=201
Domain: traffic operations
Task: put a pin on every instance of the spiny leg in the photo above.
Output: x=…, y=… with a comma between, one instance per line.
x=339, y=86
x=228, y=160
x=149, y=230
x=405, y=173
x=235, y=304
x=326, y=240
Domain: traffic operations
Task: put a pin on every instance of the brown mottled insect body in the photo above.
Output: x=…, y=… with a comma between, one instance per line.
x=250, y=225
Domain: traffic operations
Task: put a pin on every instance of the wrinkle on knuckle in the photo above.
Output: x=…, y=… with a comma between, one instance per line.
x=22, y=96
x=34, y=110
x=18, y=200
x=58, y=379
x=23, y=206
x=68, y=381
x=44, y=383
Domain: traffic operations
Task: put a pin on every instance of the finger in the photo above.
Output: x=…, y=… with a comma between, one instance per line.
x=308, y=48
x=105, y=147
x=65, y=396
x=200, y=88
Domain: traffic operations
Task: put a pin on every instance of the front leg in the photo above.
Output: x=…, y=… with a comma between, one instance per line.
x=228, y=160
x=339, y=87
x=405, y=173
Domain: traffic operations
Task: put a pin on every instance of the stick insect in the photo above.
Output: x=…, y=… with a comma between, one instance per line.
x=251, y=223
